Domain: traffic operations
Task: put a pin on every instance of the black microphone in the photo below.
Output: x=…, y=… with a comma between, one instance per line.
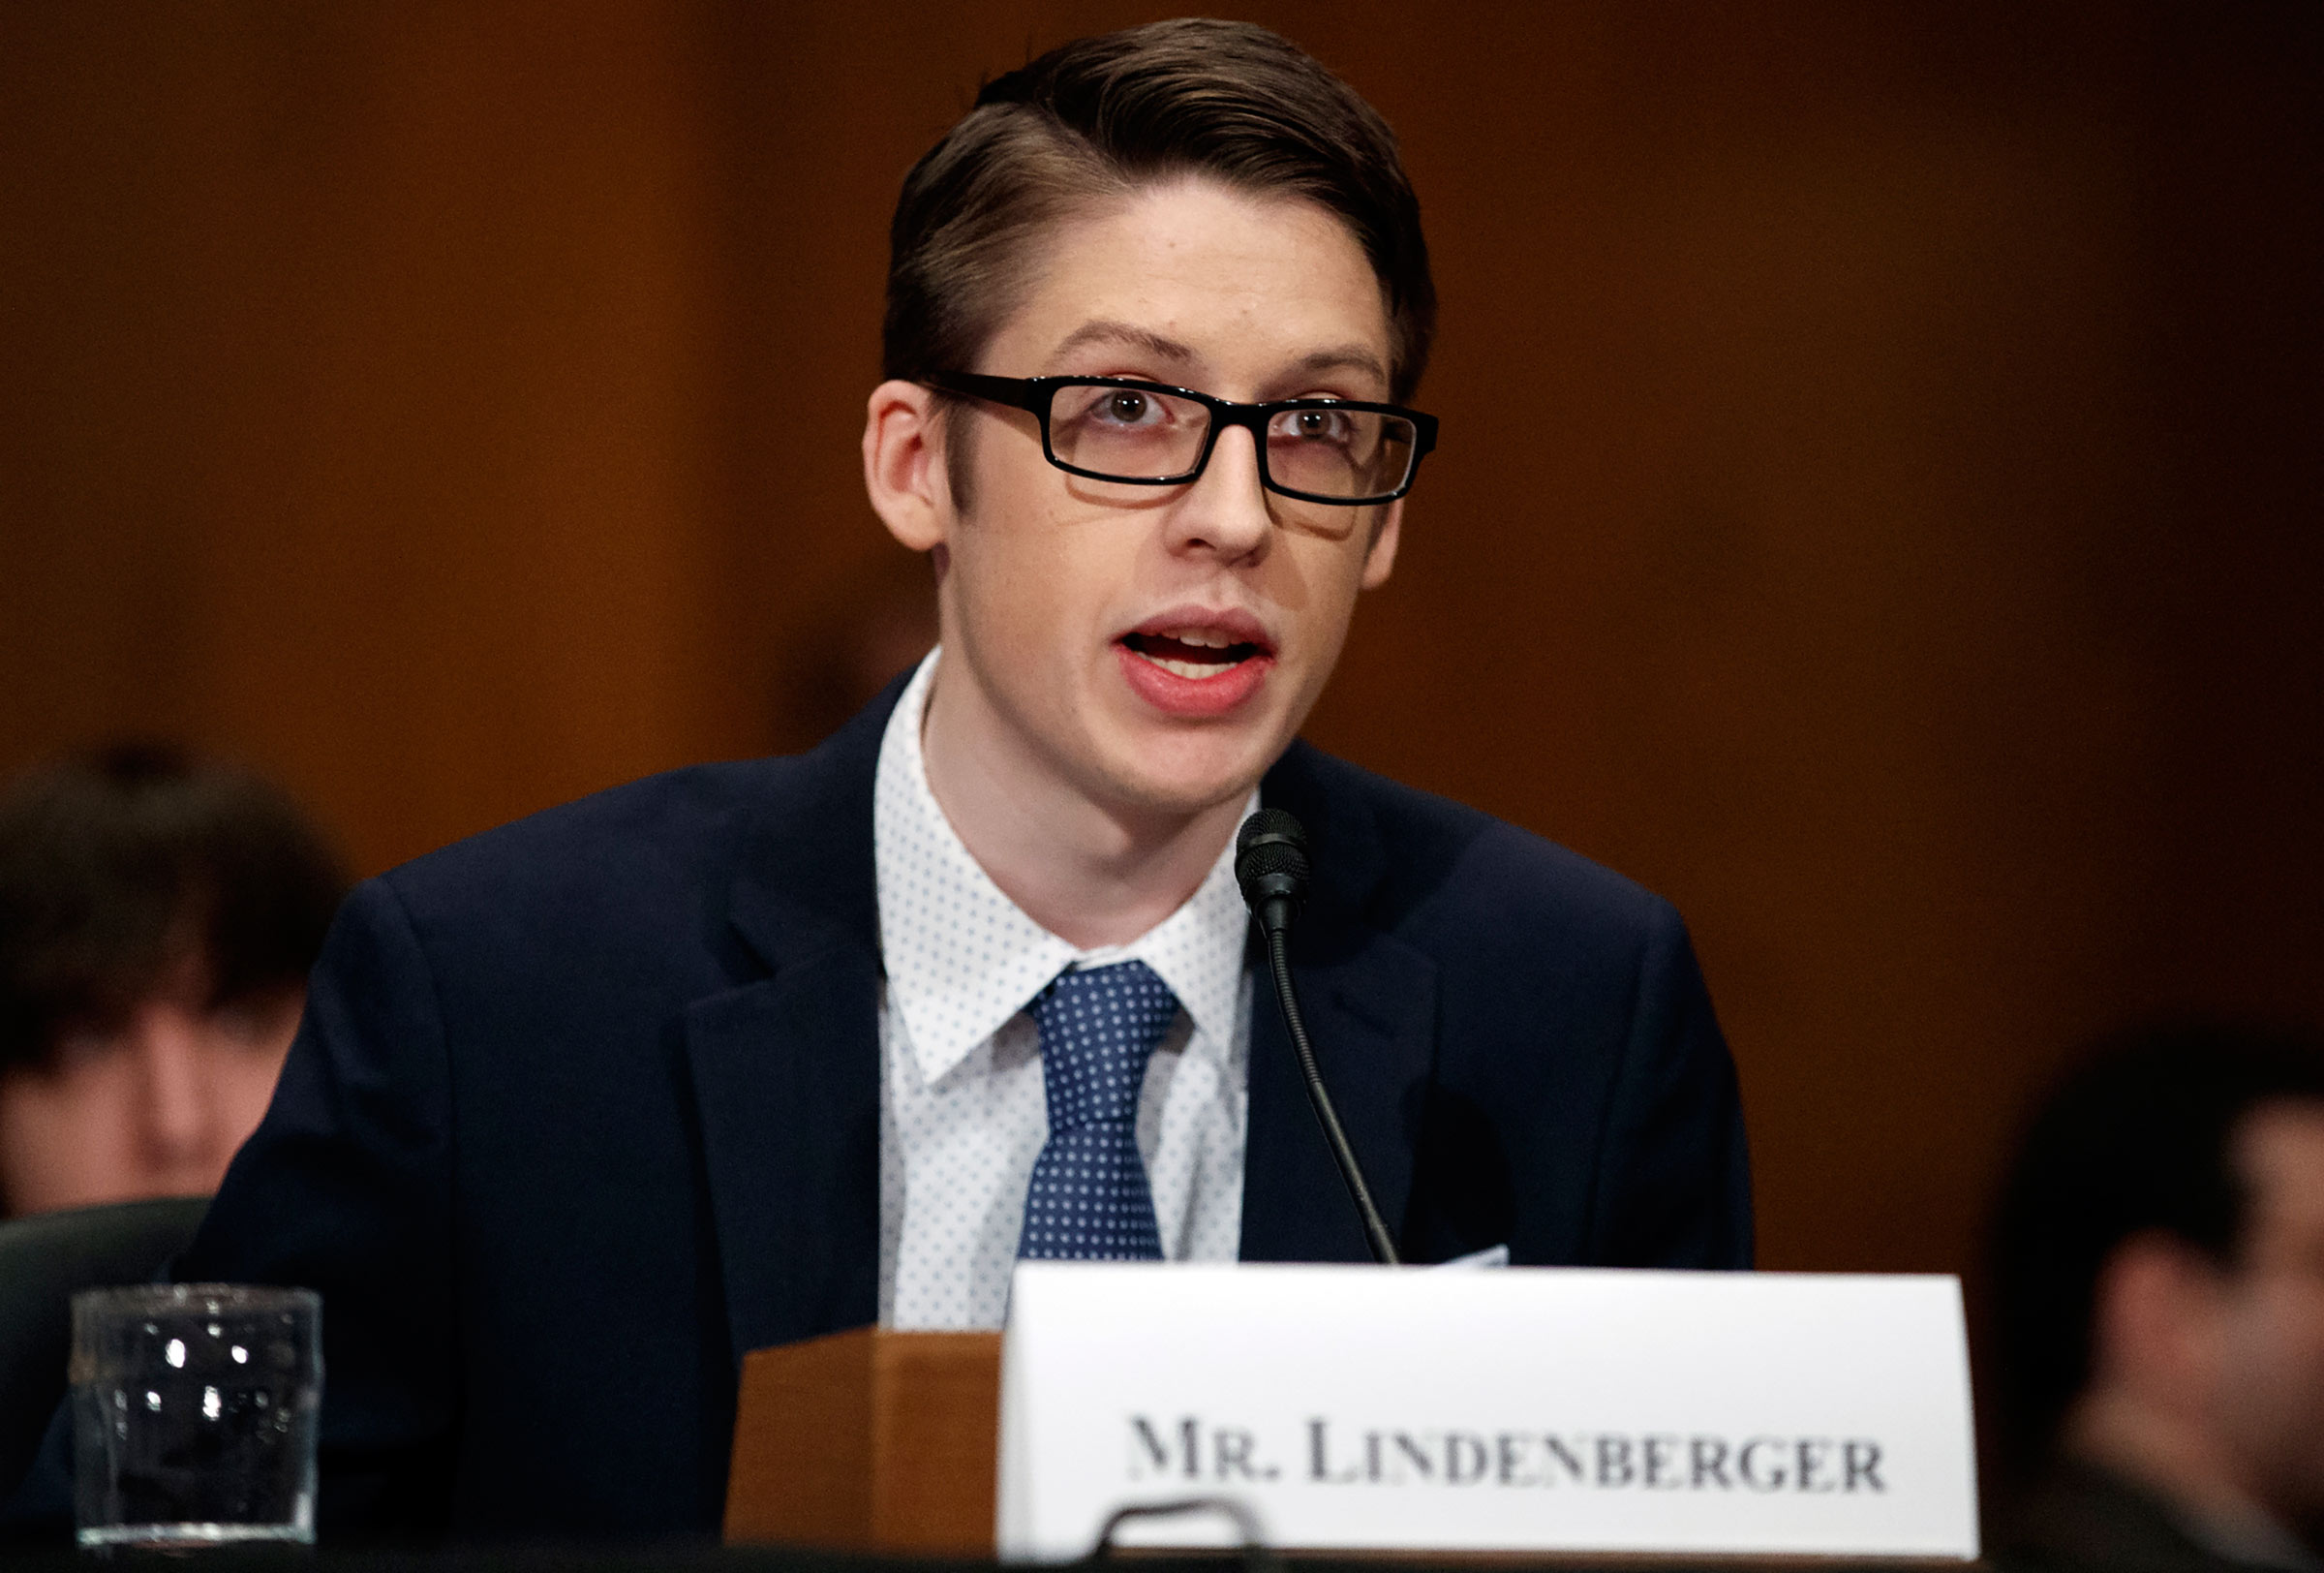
x=1270, y=864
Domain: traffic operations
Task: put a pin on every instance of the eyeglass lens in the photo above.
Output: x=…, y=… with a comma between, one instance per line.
x=1130, y=434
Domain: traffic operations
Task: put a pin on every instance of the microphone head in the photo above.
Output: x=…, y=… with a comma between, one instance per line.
x=1271, y=859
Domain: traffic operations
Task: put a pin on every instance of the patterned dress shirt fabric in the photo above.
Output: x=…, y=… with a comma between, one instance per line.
x=963, y=1113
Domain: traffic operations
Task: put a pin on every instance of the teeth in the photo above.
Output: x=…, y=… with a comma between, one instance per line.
x=1187, y=669
x=1201, y=638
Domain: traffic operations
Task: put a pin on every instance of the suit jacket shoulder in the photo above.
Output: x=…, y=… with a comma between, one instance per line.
x=663, y=855
x=1431, y=860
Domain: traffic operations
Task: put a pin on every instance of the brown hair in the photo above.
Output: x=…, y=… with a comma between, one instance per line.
x=1103, y=117
x=119, y=865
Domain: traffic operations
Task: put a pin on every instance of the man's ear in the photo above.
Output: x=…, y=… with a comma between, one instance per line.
x=904, y=463
x=1381, y=557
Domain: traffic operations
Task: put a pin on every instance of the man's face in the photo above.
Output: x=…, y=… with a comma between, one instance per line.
x=1157, y=647
x=155, y=1105
x=2271, y=1383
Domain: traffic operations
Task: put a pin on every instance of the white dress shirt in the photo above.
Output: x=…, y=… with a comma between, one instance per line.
x=962, y=1111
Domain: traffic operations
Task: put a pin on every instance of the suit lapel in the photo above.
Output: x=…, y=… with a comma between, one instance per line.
x=786, y=1066
x=1369, y=1002
x=1371, y=1016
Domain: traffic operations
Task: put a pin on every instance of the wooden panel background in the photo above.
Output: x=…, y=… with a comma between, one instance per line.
x=1878, y=504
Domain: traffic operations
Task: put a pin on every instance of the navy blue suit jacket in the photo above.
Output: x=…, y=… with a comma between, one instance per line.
x=586, y=1107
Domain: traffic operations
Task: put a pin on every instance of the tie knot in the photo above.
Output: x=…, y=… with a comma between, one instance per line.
x=1099, y=1028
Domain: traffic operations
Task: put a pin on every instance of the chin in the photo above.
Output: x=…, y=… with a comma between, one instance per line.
x=1174, y=779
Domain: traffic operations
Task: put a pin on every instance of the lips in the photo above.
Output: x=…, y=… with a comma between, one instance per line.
x=1196, y=664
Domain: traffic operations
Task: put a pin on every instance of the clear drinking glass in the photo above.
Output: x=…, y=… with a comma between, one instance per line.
x=194, y=1408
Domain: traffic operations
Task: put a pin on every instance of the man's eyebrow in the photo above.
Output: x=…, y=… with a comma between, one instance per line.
x=1345, y=357
x=1358, y=357
x=1102, y=332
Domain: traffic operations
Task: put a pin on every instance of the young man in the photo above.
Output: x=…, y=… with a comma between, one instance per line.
x=2159, y=1274
x=586, y=1108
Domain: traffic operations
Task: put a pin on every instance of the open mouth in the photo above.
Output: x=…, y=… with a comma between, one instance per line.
x=1198, y=663
x=1195, y=654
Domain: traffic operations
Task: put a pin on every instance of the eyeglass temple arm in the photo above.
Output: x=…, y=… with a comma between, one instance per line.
x=1016, y=392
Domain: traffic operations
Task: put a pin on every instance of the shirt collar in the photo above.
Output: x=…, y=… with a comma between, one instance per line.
x=961, y=958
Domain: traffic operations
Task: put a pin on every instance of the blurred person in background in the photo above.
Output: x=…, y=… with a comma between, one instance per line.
x=2159, y=1284
x=158, y=917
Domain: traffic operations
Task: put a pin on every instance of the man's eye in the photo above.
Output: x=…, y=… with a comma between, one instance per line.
x=1320, y=425
x=1127, y=406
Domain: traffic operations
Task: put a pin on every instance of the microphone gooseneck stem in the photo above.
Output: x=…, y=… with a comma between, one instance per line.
x=1375, y=1232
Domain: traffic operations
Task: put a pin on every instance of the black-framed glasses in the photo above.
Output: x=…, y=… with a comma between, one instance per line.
x=1150, y=434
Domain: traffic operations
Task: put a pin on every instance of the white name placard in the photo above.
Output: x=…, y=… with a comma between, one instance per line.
x=1532, y=1409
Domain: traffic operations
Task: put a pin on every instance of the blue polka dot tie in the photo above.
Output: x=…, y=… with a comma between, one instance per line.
x=1088, y=1200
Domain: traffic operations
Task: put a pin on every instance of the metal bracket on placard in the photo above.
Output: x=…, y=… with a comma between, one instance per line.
x=1258, y=1556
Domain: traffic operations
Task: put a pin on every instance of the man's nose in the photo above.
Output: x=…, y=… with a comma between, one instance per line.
x=1225, y=509
x=177, y=1114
